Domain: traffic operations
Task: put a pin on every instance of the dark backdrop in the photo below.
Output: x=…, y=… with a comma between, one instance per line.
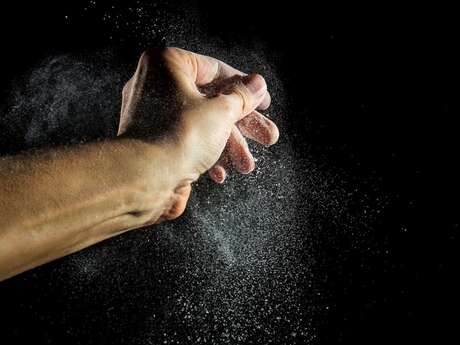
x=369, y=91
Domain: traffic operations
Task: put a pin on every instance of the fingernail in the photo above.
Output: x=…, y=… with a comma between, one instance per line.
x=255, y=83
x=218, y=174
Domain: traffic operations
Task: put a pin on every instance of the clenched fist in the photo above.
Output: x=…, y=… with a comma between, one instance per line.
x=182, y=114
x=201, y=109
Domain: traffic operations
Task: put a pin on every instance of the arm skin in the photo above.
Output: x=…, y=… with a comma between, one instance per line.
x=59, y=201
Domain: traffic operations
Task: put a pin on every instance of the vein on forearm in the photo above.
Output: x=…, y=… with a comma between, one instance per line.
x=56, y=202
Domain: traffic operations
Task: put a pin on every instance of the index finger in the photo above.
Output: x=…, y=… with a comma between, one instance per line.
x=203, y=70
x=209, y=69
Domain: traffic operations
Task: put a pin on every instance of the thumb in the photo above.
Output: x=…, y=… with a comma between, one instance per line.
x=242, y=97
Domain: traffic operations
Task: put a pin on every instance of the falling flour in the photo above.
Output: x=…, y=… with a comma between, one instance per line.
x=241, y=266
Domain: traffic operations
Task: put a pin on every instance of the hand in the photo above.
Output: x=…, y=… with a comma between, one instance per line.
x=198, y=108
x=182, y=114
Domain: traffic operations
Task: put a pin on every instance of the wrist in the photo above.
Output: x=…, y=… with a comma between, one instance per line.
x=156, y=171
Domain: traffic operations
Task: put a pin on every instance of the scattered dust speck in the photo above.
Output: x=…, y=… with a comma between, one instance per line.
x=242, y=265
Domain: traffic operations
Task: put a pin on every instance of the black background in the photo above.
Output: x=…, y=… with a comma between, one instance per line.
x=370, y=90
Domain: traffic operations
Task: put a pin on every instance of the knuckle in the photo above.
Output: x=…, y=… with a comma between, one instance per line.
x=144, y=64
x=173, y=214
x=155, y=55
x=241, y=98
x=176, y=210
x=168, y=53
x=228, y=104
x=261, y=78
x=147, y=56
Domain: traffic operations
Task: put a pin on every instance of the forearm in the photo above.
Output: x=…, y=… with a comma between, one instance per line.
x=56, y=202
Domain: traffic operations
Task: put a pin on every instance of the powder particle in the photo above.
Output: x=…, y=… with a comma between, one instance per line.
x=243, y=265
